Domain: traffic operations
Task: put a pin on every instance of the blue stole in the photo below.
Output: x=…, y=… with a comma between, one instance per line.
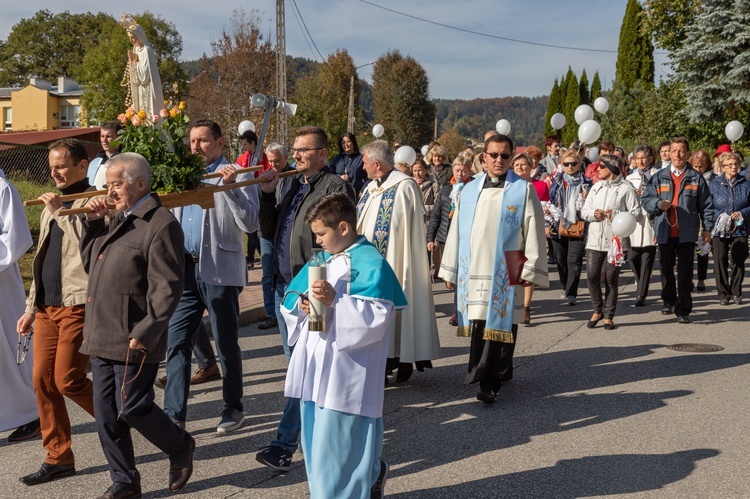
x=370, y=277
x=502, y=294
x=382, y=229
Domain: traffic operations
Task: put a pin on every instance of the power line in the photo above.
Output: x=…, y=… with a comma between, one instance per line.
x=294, y=2
x=303, y=34
x=487, y=35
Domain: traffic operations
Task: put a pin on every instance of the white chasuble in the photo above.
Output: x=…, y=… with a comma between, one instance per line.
x=414, y=334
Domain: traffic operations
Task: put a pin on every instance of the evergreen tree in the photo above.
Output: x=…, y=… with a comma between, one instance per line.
x=553, y=106
x=635, y=52
x=596, y=87
x=572, y=100
x=583, y=89
x=714, y=68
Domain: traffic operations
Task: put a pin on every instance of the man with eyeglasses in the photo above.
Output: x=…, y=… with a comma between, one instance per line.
x=293, y=240
x=679, y=199
x=495, y=246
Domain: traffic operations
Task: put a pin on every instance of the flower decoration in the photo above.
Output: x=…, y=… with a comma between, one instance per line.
x=160, y=139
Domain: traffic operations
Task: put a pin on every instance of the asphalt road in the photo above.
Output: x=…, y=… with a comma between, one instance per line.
x=588, y=413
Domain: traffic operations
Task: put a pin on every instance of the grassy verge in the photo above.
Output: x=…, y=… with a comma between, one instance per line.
x=30, y=190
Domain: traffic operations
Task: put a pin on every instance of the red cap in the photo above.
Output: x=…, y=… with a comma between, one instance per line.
x=722, y=149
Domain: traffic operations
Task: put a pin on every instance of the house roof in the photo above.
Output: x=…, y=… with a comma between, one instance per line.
x=14, y=139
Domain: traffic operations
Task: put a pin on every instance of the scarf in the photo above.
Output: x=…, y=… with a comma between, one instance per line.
x=455, y=194
x=570, y=196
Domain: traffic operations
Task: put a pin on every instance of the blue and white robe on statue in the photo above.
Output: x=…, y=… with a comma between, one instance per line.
x=339, y=374
x=17, y=399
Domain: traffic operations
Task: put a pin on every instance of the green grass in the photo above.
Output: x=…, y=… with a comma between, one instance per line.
x=30, y=190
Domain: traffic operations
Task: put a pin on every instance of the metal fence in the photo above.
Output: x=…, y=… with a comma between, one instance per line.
x=30, y=162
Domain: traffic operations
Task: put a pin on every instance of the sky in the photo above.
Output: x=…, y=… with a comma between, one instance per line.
x=460, y=65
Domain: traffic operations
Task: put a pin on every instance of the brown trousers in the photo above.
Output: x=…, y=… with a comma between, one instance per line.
x=59, y=370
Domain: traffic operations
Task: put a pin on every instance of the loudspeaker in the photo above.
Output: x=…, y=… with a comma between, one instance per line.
x=258, y=100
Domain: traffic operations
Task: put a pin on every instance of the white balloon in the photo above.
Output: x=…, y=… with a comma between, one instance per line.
x=734, y=130
x=405, y=154
x=623, y=224
x=378, y=131
x=245, y=126
x=589, y=131
x=503, y=127
x=425, y=149
x=584, y=113
x=593, y=154
x=601, y=104
x=557, y=121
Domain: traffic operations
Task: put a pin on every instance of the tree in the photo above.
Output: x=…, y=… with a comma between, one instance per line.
x=714, y=68
x=583, y=89
x=635, y=52
x=572, y=100
x=48, y=46
x=452, y=141
x=243, y=63
x=323, y=97
x=668, y=21
x=553, y=106
x=401, y=95
x=103, y=67
x=596, y=87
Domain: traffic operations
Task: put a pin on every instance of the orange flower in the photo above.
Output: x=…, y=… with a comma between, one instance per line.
x=173, y=112
x=182, y=106
x=142, y=114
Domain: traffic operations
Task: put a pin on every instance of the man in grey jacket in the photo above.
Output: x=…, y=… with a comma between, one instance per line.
x=215, y=273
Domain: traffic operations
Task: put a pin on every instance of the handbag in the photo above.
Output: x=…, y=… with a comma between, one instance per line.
x=575, y=230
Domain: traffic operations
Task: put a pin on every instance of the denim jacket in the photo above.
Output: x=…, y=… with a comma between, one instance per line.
x=730, y=198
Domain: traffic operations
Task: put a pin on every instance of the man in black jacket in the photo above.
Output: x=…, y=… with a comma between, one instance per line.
x=293, y=241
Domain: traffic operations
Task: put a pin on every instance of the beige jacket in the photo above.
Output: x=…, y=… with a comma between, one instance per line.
x=74, y=279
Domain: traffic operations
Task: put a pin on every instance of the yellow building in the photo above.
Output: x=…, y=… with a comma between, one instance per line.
x=40, y=105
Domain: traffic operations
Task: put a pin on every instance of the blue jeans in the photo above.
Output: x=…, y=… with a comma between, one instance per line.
x=266, y=264
x=223, y=307
x=287, y=434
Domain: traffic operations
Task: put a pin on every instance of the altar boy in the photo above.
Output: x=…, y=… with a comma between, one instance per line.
x=338, y=373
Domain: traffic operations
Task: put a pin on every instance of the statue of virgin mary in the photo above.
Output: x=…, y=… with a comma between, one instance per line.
x=143, y=71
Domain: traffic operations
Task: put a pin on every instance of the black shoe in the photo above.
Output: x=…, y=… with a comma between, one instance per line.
x=26, y=432
x=268, y=323
x=404, y=372
x=181, y=469
x=640, y=302
x=700, y=287
x=487, y=395
x=724, y=302
x=592, y=324
x=49, y=472
x=121, y=491
x=571, y=300
x=738, y=300
x=609, y=326
x=161, y=382
x=275, y=457
x=684, y=319
x=378, y=488
x=667, y=310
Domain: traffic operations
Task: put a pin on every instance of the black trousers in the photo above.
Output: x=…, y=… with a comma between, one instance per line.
x=702, y=264
x=490, y=362
x=642, y=262
x=595, y=262
x=569, y=259
x=677, y=293
x=729, y=279
x=138, y=411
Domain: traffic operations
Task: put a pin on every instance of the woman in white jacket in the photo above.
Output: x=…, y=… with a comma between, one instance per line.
x=608, y=197
x=642, y=242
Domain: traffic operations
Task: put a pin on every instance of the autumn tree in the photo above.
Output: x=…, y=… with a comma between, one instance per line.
x=401, y=94
x=49, y=45
x=103, y=67
x=452, y=141
x=323, y=97
x=243, y=63
x=668, y=21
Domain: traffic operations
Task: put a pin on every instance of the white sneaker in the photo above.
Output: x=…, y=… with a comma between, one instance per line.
x=231, y=419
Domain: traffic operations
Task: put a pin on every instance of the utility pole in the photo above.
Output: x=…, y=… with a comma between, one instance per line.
x=281, y=127
x=434, y=133
x=350, y=121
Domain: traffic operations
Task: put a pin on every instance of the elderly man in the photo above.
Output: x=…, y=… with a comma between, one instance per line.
x=97, y=168
x=215, y=273
x=680, y=202
x=494, y=247
x=277, y=155
x=390, y=215
x=18, y=408
x=136, y=268
x=56, y=303
x=293, y=241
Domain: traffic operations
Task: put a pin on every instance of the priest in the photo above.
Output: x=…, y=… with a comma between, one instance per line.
x=390, y=215
x=497, y=206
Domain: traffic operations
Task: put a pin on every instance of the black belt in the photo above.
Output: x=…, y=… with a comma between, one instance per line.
x=191, y=257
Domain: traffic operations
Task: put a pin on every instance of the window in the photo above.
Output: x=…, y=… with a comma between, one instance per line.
x=8, y=118
x=69, y=116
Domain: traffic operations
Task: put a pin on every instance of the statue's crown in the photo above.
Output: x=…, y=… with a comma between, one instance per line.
x=128, y=22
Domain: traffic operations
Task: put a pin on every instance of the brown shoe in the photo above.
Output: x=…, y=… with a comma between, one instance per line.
x=161, y=382
x=453, y=321
x=204, y=375
x=180, y=469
